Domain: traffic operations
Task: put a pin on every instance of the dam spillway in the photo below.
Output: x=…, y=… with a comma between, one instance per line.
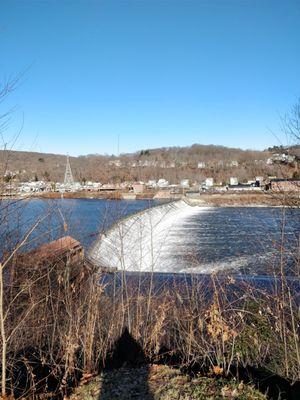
x=179, y=237
x=149, y=240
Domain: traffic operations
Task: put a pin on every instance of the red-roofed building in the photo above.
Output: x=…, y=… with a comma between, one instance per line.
x=66, y=249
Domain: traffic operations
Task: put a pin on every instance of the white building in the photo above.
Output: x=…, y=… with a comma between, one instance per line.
x=284, y=158
x=185, y=183
x=36, y=186
x=162, y=183
x=209, y=182
x=233, y=163
x=116, y=163
x=151, y=183
x=74, y=187
x=91, y=186
x=233, y=181
x=201, y=165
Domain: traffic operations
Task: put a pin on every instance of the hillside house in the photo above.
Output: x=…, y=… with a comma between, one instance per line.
x=281, y=158
x=201, y=165
x=232, y=164
x=117, y=163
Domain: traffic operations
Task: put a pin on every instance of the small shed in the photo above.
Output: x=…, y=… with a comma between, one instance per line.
x=66, y=249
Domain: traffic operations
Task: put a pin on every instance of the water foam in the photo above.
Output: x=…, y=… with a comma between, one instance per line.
x=147, y=241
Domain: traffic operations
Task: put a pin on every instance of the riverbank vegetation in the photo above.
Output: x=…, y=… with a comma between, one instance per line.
x=61, y=321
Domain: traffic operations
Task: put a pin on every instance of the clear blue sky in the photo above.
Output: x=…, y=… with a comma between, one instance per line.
x=154, y=72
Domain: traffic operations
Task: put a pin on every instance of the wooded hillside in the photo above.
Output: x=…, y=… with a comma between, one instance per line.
x=195, y=162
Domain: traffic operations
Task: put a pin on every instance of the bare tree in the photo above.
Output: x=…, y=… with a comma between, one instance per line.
x=291, y=123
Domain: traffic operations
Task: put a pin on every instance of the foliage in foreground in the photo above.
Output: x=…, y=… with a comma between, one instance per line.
x=64, y=318
x=72, y=320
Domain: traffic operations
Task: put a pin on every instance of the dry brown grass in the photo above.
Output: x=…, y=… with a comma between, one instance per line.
x=73, y=320
x=69, y=316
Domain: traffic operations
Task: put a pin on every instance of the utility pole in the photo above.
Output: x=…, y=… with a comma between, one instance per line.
x=68, y=173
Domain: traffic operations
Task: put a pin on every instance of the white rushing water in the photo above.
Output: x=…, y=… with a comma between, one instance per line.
x=147, y=241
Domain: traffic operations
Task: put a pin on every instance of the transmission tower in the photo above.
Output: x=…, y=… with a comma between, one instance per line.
x=68, y=174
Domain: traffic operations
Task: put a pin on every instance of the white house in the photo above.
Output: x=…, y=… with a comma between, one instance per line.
x=185, y=183
x=201, y=165
x=233, y=181
x=151, y=183
x=162, y=183
x=209, y=182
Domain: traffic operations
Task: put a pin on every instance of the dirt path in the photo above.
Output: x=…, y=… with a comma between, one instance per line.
x=161, y=383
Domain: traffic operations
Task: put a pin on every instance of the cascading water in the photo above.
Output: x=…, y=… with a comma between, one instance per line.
x=146, y=241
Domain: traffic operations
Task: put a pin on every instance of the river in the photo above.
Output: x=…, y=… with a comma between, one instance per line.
x=243, y=239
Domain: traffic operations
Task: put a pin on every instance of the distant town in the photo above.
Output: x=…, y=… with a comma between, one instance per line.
x=277, y=172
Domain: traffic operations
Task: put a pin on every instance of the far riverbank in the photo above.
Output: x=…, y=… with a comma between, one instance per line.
x=227, y=199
